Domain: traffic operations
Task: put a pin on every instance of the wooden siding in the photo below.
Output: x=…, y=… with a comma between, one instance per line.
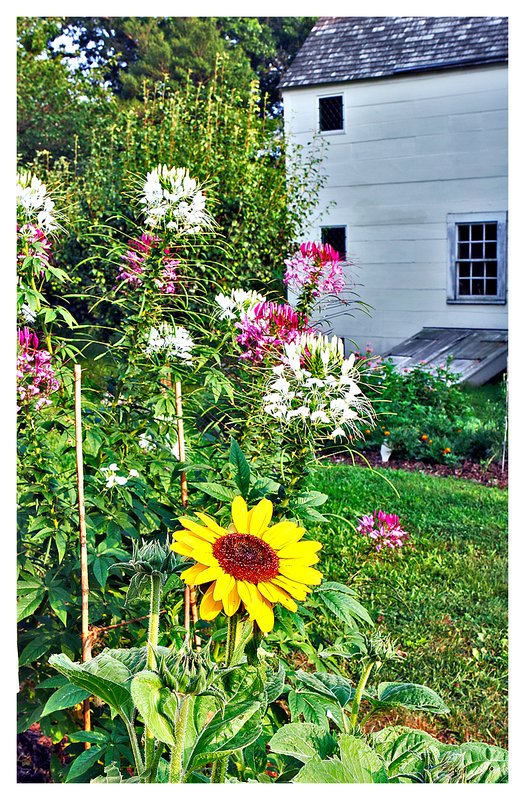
x=415, y=149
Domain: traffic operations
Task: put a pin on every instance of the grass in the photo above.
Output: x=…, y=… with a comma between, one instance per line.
x=443, y=599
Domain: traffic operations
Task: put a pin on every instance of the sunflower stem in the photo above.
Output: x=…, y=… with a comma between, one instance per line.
x=180, y=734
x=220, y=767
x=151, y=662
x=359, y=694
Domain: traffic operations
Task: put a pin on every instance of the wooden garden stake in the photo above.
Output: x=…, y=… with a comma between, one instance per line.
x=85, y=635
x=190, y=597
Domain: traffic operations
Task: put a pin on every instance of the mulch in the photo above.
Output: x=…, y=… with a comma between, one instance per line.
x=34, y=752
x=493, y=474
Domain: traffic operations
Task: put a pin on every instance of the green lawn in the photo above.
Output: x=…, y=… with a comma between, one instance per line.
x=443, y=599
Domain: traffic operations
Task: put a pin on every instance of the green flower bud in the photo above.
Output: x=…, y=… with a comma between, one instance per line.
x=151, y=558
x=187, y=671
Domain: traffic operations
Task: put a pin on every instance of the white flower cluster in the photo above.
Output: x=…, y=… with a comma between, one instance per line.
x=238, y=303
x=318, y=387
x=110, y=474
x=33, y=202
x=170, y=342
x=172, y=199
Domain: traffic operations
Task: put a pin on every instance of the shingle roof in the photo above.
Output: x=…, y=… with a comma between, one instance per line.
x=353, y=48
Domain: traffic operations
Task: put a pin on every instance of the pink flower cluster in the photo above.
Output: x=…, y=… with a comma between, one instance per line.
x=36, y=379
x=133, y=267
x=382, y=528
x=268, y=328
x=317, y=267
x=38, y=246
x=133, y=270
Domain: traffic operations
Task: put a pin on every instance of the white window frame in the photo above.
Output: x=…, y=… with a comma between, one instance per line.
x=453, y=220
x=335, y=131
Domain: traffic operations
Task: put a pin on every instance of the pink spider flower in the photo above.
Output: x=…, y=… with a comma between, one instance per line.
x=382, y=528
x=268, y=328
x=169, y=277
x=36, y=378
x=316, y=267
x=133, y=267
x=38, y=245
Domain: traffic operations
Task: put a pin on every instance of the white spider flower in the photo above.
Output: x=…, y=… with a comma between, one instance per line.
x=34, y=204
x=110, y=473
x=171, y=198
x=170, y=342
x=238, y=303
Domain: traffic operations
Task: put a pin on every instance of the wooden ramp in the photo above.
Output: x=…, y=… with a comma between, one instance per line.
x=478, y=354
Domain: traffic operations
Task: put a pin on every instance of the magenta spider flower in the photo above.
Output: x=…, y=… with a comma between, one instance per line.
x=315, y=267
x=38, y=246
x=132, y=270
x=268, y=328
x=36, y=378
x=383, y=529
x=169, y=277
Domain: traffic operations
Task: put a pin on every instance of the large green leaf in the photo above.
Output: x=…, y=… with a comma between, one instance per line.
x=484, y=763
x=64, y=697
x=215, y=490
x=318, y=771
x=237, y=727
x=83, y=762
x=411, y=696
x=241, y=468
x=405, y=751
x=313, y=708
x=29, y=603
x=302, y=740
x=360, y=763
x=107, y=676
x=340, y=600
x=156, y=704
x=274, y=683
x=340, y=687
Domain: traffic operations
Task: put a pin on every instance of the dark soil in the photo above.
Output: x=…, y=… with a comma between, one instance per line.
x=34, y=751
x=491, y=475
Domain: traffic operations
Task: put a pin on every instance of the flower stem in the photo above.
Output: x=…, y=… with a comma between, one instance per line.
x=139, y=765
x=180, y=734
x=151, y=661
x=219, y=769
x=359, y=693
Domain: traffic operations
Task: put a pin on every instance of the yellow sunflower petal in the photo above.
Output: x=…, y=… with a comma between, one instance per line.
x=304, y=561
x=210, y=523
x=189, y=575
x=223, y=586
x=192, y=541
x=209, y=608
x=260, y=516
x=231, y=601
x=200, y=530
x=297, y=590
x=301, y=574
x=299, y=549
x=285, y=532
x=275, y=594
x=204, y=556
x=263, y=615
x=209, y=574
x=240, y=514
x=182, y=548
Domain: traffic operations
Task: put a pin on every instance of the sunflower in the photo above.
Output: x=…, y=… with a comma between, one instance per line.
x=251, y=563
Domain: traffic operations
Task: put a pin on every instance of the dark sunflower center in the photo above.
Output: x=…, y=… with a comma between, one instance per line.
x=246, y=557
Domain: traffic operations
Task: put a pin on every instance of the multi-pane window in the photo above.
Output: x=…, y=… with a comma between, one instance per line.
x=331, y=113
x=336, y=237
x=477, y=247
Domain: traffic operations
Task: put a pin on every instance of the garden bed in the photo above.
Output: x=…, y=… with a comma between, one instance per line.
x=492, y=474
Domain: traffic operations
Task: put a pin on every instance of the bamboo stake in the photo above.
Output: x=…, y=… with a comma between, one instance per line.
x=85, y=635
x=190, y=598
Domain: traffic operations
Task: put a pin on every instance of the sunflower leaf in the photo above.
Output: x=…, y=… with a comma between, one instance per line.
x=241, y=469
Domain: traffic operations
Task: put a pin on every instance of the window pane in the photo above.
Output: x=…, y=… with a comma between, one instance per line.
x=491, y=250
x=491, y=286
x=464, y=287
x=476, y=250
x=464, y=270
x=478, y=269
x=463, y=233
x=463, y=250
x=491, y=231
x=336, y=237
x=477, y=232
x=331, y=113
x=478, y=286
x=491, y=269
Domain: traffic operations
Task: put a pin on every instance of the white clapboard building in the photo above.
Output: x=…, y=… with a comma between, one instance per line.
x=414, y=114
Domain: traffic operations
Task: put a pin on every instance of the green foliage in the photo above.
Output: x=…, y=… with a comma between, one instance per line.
x=428, y=415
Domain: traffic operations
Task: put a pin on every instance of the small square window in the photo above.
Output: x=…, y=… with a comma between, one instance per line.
x=336, y=237
x=477, y=252
x=331, y=113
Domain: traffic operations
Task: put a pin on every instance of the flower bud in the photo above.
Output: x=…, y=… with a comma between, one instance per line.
x=186, y=671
